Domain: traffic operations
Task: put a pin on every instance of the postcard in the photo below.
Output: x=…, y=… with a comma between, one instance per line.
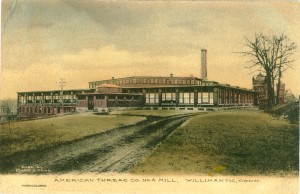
x=149, y=96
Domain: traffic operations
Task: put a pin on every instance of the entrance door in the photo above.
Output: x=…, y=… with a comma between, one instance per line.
x=90, y=102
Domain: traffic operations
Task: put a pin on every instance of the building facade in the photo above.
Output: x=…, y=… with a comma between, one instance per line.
x=46, y=103
x=260, y=87
x=167, y=92
x=182, y=91
x=135, y=92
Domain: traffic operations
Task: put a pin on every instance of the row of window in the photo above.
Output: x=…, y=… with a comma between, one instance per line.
x=40, y=98
x=241, y=100
x=49, y=101
x=46, y=96
x=35, y=110
x=149, y=81
x=183, y=98
x=112, y=97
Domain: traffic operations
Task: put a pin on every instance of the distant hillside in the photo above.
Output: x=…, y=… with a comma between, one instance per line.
x=289, y=111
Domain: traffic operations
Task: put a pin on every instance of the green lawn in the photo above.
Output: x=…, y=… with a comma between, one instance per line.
x=227, y=143
x=29, y=135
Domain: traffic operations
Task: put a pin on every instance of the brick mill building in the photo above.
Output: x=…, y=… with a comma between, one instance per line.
x=261, y=89
x=152, y=92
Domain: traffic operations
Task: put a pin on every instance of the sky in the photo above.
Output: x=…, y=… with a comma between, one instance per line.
x=88, y=40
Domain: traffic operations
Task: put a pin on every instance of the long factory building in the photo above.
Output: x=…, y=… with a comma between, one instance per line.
x=149, y=92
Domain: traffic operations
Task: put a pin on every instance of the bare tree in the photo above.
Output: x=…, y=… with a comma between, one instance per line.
x=286, y=50
x=271, y=56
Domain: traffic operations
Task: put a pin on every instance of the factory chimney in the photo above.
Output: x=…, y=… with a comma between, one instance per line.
x=203, y=64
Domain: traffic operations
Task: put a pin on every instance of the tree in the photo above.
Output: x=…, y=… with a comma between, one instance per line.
x=272, y=57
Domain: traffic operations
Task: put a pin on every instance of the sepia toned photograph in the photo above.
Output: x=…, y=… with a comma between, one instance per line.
x=149, y=96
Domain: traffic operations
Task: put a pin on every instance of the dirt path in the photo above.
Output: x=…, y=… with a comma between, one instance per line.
x=117, y=150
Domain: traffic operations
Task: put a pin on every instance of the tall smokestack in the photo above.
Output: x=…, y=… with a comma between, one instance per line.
x=203, y=64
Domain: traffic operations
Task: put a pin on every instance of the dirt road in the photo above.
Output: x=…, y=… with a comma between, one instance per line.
x=116, y=150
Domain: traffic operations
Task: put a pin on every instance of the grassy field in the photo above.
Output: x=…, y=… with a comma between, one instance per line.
x=29, y=135
x=160, y=113
x=227, y=143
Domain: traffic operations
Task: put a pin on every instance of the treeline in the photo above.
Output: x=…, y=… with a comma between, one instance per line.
x=9, y=104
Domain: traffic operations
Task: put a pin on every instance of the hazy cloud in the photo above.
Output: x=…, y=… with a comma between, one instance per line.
x=89, y=40
x=112, y=15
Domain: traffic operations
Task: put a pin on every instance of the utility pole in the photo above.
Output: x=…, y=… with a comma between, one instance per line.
x=62, y=83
